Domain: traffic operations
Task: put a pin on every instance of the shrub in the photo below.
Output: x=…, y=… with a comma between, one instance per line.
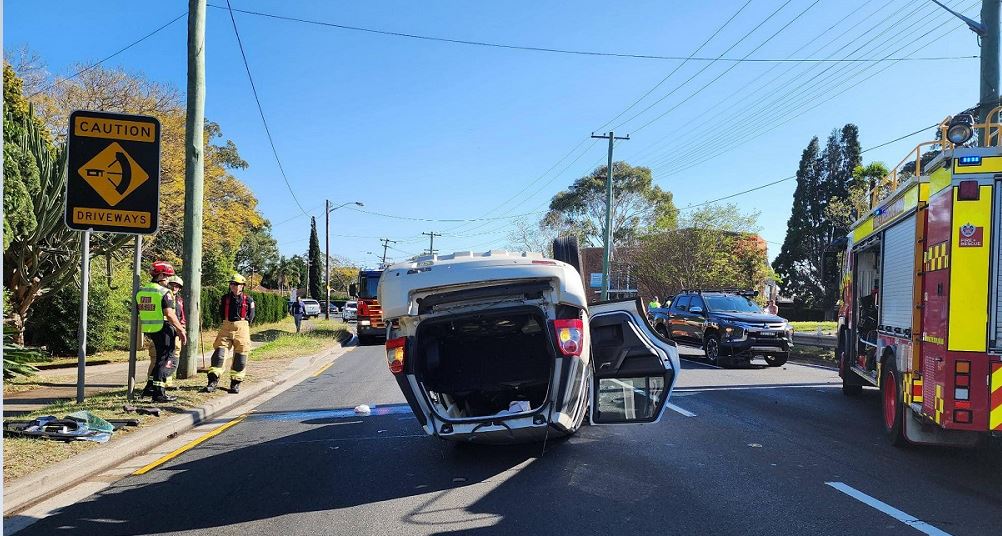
x=270, y=307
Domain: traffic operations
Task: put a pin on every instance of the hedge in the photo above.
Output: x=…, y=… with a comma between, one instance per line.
x=270, y=307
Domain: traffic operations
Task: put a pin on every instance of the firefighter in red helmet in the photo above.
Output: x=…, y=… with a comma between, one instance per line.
x=159, y=322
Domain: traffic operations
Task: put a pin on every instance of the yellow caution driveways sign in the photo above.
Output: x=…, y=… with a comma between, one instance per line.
x=113, y=184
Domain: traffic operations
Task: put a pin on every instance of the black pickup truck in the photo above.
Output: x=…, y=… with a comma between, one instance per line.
x=728, y=325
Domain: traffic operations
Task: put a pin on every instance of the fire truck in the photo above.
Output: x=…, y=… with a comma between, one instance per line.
x=370, y=325
x=920, y=314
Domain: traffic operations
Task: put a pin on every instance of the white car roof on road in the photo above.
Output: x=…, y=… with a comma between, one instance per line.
x=402, y=281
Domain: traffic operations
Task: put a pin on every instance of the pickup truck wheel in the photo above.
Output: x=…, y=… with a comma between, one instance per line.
x=776, y=360
x=565, y=249
x=711, y=347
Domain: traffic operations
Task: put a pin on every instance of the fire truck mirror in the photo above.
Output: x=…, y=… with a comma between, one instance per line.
x=353, y=290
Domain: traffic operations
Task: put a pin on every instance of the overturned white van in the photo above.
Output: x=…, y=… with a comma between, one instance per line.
x=503, y=347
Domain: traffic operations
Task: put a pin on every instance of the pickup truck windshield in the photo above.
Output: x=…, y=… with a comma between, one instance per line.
x=735, y=304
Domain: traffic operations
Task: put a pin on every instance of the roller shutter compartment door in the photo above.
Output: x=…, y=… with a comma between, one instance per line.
x=898, y=277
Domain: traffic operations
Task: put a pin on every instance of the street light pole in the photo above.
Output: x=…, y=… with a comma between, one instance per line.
x=327, y=251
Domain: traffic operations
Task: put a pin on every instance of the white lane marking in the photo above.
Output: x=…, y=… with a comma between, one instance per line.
x=677, y=409
x=754, y=387
x=907, y=519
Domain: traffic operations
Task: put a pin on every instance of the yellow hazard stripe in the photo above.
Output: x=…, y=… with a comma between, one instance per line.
x=995, y=416
x=147, y=468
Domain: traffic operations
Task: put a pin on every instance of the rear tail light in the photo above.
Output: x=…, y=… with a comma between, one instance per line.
x=395, y=351
x=570, y=336
x=962, y=380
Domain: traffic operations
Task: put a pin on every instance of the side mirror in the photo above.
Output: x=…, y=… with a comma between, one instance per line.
x=697, y=310
x=353, y=290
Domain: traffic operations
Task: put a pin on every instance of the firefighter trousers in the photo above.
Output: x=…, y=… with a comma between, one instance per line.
x=235, y=335
x=164, y=349
x=151, y=370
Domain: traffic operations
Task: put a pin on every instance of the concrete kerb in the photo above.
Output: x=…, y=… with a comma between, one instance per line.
x=34, y=488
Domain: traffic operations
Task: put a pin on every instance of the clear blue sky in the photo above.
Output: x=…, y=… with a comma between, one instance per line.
x=427, y=129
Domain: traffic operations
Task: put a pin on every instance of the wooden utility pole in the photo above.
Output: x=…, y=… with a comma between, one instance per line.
x=194, y=172
x=431, y=245
x=327, y=259
x=607, y=248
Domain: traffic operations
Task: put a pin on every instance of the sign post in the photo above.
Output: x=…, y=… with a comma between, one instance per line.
x=112, y=186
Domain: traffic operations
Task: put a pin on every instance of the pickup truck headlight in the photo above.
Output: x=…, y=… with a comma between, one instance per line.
x=734, y=332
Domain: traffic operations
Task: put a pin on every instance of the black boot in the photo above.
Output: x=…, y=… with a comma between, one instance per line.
x=213, y=382
x=234, y=386
x=149, y=390
x=161, y=395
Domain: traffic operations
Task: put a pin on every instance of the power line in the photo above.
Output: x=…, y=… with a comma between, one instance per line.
x=553, y=50
x=446, y=220
x=784, y=179
x=793, y=111
x=119, y=51
x=260, y=110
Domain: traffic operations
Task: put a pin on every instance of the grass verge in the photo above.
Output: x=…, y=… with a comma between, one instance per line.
x=21, y=456
x=827, y=328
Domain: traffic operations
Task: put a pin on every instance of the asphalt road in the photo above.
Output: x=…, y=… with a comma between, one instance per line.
x=745, y=451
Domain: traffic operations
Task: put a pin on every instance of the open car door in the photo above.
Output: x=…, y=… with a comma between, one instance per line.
x=634, y=368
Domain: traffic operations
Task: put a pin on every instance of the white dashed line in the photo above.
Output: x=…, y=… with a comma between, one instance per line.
x=907, y=519
x=679, y=410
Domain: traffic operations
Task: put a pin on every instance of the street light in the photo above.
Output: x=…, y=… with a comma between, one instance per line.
x=327, y=252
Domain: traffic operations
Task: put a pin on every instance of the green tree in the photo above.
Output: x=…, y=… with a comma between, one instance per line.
x=639, y=206
x=822, y=179
x=258, y=252
x=46, y=258
x=713, y=246
x=315, y=263
x=20, y=172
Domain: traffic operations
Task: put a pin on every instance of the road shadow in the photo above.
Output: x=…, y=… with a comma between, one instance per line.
x=341, y=464
x=267, y=335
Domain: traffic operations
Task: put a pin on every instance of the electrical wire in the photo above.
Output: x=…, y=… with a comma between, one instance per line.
x=550, y=49
x=260, y=109
x=106, y=58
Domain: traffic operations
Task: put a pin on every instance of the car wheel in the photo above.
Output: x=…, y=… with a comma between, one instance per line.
x=565, y=249
x=711, y=347
x=892, y=404
x=776, y=360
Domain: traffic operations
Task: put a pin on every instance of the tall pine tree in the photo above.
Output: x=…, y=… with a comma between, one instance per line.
x=811, y=230
x=316, y=266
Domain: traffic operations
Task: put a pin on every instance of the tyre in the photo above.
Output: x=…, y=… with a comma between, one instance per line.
x=849, y=387
x=776, y=360
x=565, y=249
x=711, y=347
x=892, y=404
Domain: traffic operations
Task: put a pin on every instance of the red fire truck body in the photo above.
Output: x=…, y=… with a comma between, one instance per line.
x=921, y=308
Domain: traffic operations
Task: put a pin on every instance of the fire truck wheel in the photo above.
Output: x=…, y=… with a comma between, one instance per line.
x=892, y=404
x=848, y=388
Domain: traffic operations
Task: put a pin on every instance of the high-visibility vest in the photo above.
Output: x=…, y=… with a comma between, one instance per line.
x=149, y=303
x=653, y=305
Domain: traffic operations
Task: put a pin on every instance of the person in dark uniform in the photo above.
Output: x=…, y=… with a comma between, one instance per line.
x=159, y=322
x=237, y=312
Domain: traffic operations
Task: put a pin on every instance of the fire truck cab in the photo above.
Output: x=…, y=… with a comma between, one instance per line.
x=369, y=314
x=921, y=309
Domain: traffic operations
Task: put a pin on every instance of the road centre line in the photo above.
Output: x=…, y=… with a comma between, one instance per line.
x=322, y=369
x=185, y=448
x=684, y=412
x=907, y=519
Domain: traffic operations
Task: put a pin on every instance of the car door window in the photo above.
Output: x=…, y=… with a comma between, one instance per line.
x=681, y=304
x=634, y=370
x=697, y=301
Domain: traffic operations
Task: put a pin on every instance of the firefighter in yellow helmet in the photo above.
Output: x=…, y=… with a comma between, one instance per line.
x=237, y=312
x=159, y=322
